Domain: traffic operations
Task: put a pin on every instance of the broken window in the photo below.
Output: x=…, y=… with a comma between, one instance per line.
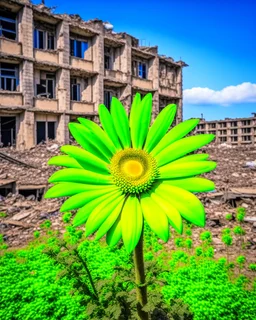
x=142, y=70
x=107, y=98
x=246, y=122
x=45, y=130
x=246, y=130
x=46, y=88
x=7, y=131
x=246, y=138
x=44, y=39
x=139, y=69
x=234, y=139
x=78, y=48
x=223, y=139
x=108, y=58
x=75, y=90
x=9, y=76
x=234, y=124
x=8, y=25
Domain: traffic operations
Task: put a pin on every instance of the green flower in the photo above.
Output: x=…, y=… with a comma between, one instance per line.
x=130, y=171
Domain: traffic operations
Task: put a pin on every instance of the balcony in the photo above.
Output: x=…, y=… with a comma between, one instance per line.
x=142, y=83
x=168, y=92
x=11, y=98
x=82, y=107
x=115, y=74
x=46, y=56
x=46, y=104
x=83, y=64
x=10, y=47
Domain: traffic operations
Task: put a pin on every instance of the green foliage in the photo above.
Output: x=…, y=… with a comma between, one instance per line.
x=66, y=217
x=179, y=242
x=36, y=234
x=252, y=266
x=206, y=236
x=46, y=224
x=1, y=238
x=238, y=230
x=228, y=216
x=227, y=239
x=240, y=260
x=240, y=214
x=188, y=232
x=188, y=243
x=3, y=214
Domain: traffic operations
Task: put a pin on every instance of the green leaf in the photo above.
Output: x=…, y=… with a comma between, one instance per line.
x=108, y=125
x=80, y=199
x=185, y=202
x=134, y=108
x=132, y=222
x=102, y=212
x=186, y=169
x=192, y=184
x=86, y=159
x=171, y=212
x=193, y=158
x=114, y=234
x=180, y=148
x=83, y=213
x=64, y=161
x=120, y=121
x=83, y=137
x=80, y=176
x=140, y=121
x=155, y=216
x=160, y=126
x=100, y=137
x=175, y=134
x=108, y=223
x=66, y=189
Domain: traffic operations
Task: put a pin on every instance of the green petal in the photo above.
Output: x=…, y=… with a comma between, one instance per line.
x=102, y=212
x=80, y=199
x=84, y=137
x=160, y=126
x=175, y=134
x=100, y=136
x=132, y=222
x=120, y=121
x=133, y=112
x=67, y=189
x=182, y=147
x=64, y=161
x=192, y=184
x=186, y=169
x=115, y=233
x=80, y=176
x=171, y=212
x=108, y=125
x=109, y=222
x=193, y=158
x=83, y=214
x=140, y=121
x=86, y=159
x=185, y=202
x=155, y=216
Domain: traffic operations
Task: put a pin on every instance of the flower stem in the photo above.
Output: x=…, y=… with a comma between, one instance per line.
x=141, y=287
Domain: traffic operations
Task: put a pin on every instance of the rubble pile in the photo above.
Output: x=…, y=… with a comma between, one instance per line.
x=24, y=214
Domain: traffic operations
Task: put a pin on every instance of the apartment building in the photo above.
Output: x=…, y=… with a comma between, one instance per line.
x=57, y=67
x=239, y=131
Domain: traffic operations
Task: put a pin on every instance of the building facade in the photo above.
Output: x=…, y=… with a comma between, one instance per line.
x=57, y=67
x=240, y=131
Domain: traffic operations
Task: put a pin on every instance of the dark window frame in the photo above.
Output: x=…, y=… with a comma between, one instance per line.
x=46, y=35
x=4, y=30
x=78, y=48
x=75, y=90
x=11, y=79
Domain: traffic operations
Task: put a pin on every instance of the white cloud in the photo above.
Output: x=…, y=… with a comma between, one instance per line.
x=242, y=93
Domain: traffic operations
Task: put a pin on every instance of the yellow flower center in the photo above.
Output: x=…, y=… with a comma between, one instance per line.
x=134, y=171
x=133, y=168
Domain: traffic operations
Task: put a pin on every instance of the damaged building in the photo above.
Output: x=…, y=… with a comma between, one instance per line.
x=57, y=67
x=238, y=131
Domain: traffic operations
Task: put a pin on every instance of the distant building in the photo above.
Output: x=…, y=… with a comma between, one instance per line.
x=239, y=131
x=57, y=67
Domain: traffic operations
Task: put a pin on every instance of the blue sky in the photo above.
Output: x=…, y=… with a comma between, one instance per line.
x=216, y=38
